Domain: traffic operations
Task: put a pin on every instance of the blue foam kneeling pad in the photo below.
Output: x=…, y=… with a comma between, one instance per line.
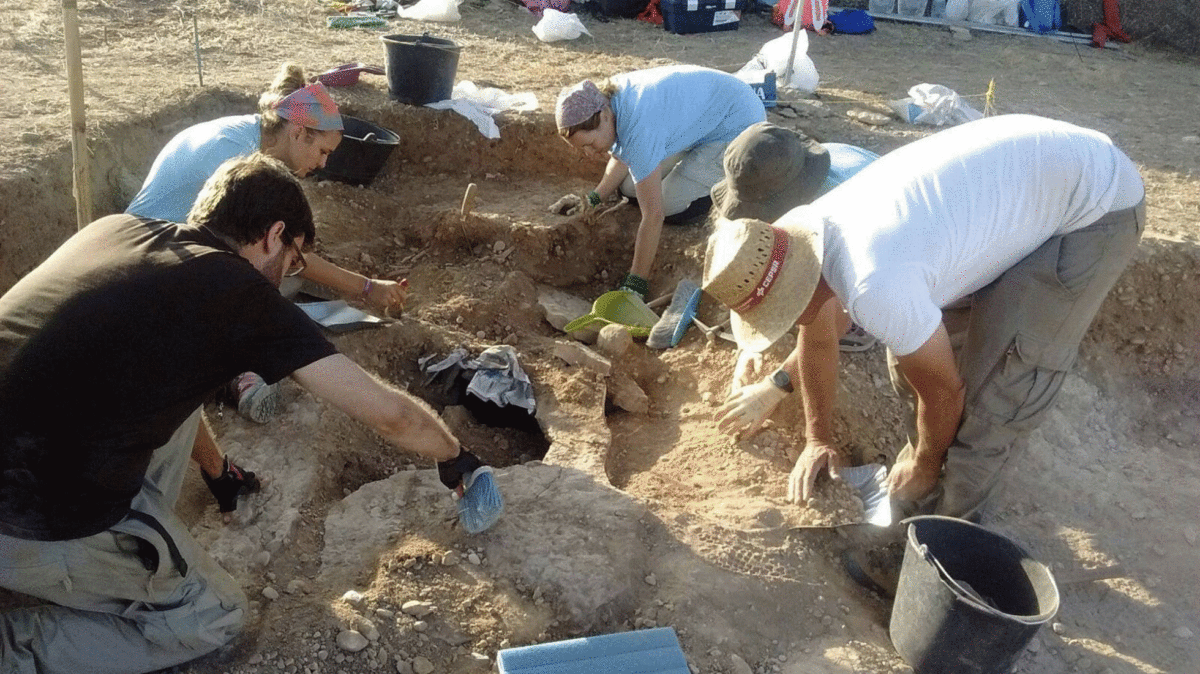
x=653, y=651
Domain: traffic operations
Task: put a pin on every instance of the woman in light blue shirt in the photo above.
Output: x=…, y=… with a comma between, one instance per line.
x=665, y=130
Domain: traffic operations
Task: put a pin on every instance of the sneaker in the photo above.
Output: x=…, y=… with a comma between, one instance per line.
x=256, y=400
x=856, y=339
x=876, y=568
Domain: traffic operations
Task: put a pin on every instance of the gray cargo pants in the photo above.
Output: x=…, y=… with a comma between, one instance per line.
x=1015, y=340
x=111, y=613
x=686, y=176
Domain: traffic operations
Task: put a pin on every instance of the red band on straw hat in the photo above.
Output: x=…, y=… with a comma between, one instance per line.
x=770, y=274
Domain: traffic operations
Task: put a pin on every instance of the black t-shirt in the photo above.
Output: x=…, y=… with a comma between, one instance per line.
x=108, y=346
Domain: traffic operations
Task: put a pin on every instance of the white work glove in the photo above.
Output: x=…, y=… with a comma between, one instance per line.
x=746, y=409
x=748, y=365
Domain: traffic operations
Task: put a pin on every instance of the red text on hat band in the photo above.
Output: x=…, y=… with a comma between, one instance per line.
x=778, y=253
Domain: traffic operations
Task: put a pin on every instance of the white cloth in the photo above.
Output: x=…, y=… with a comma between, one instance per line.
x=481, y=105
x=946, y=215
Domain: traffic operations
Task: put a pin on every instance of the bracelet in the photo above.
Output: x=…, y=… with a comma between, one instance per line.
x=593, y=198
x=367, y=288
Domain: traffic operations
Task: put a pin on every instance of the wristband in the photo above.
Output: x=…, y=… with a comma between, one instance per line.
x=593, y=198
x=636, y=284
x=367, y=289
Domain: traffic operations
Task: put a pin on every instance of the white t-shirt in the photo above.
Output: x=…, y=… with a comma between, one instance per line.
x=938, y=219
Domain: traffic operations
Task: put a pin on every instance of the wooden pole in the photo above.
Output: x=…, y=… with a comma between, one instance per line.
x=79, y=149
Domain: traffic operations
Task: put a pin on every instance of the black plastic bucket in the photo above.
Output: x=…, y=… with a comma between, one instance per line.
x=969, y=600
x=364, y=149
x=420, y=69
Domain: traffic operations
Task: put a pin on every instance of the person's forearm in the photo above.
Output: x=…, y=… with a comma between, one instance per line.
x=614, y=174
x=416, y=428
x=814, y=363
x=645, y=246
x=344, y=281
x=937, y=424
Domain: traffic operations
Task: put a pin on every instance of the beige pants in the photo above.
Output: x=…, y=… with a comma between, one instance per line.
x=686, y=177
x=1015, y=341
x=110, y=613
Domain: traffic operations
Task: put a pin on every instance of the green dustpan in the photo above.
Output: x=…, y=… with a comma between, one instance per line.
x=621, y=307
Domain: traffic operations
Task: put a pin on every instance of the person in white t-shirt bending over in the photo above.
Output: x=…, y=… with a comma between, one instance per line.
x=1019, y=223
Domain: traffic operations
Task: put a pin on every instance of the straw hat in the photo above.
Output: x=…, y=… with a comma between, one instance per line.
x=769, y=171
x=766, y=275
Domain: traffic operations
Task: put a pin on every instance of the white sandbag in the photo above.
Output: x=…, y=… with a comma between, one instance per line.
x=443, y=11
x=774, y=56
x=998, y=12
x=556, y=25
x=957, y=10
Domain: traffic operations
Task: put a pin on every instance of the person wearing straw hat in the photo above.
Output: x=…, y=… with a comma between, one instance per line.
x=979, y=259
x=96, y=430
x=769, y=170
x=300, y=125
x=664, y=130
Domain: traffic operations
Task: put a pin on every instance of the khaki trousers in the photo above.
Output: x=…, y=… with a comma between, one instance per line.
x=109, y=612
x=1015, y=341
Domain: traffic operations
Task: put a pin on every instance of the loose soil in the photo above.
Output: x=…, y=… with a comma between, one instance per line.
x=620, y=520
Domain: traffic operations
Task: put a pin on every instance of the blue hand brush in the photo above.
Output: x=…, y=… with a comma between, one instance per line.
x=677, y=318
x=481, y=503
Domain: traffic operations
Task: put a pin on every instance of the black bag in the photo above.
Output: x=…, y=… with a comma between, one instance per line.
x=625, y=9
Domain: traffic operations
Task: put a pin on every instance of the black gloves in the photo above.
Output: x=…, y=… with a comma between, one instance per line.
x=232, y=482
x=451, y=471
x=635, y=284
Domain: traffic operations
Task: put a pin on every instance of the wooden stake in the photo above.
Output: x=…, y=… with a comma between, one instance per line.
x=79, y=151
x=468, y=201
x=787, y=74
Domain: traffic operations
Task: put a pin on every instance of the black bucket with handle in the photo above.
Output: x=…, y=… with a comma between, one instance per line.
x=969, y=599
x=420, y=69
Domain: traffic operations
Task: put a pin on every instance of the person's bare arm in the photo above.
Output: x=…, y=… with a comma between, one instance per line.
x=614, y=174
x=814, y=363
x=934, y=377
x=645, y=247
x=381, y=294
x=400, y=418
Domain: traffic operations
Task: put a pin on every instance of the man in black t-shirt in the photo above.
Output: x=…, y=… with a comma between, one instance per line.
x=107, y=351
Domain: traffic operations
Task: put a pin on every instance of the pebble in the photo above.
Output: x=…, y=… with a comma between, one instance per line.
x=449, y=559
x=1191, y=139
x=498, y=247
x=420, y=625
x=651, y=580
x=351, y=641
x=270, y=593
x=1184, y=633
x=297, y=586
x=422, y=665
x=1058, y=628
x=402, y=666
x=474, y=559
x=262, y=558
x=386, y=614
x=739, y=665
x=353, y=597
x=417, y=609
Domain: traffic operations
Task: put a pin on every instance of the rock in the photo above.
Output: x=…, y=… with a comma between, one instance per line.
x=869, y=117
x=297, y=586
x=474, y=559
x=402, y=666
x=626, y=394
x=417, y=609
x=386, y=614
x=351, y=641
x=1191, y=139
x=560, y=308
x=353, y=598
x=580, y=356
x=420, y=626
x=422, y=665
x=1058, y=627
x=1183, y=633
x=1189, y=534
x=651, y=580
x=614, y=340
x=739, y=665
x=498, y=247
x=450, y=558
x=262, y=558
x=270, y=593
x=960, y=33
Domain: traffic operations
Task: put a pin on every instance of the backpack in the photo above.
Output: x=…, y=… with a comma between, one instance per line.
x=1042, y=16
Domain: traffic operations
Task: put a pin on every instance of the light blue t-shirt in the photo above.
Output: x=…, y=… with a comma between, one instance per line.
x=192, y=156
x=844, y=162
x=662, y=111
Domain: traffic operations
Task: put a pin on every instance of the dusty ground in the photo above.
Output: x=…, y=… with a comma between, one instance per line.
x=621, y=520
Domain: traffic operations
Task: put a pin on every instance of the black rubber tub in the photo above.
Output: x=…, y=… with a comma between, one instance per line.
x=364, y=149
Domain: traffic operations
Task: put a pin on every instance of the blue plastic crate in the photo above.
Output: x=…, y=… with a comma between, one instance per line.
x=701, y=16
x=654, y=651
